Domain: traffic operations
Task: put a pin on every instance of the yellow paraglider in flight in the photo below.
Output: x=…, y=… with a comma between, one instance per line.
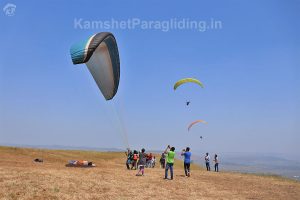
x=187, y=80
x=195, y=122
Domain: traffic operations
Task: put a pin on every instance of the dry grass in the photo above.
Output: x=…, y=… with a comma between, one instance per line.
x=20, y=178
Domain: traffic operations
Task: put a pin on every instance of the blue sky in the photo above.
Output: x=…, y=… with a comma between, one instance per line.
x=250, y=68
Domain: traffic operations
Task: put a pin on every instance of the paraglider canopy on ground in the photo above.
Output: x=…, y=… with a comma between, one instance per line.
x=80, y=163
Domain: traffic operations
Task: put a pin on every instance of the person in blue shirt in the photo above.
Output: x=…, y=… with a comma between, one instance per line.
x=187, y=161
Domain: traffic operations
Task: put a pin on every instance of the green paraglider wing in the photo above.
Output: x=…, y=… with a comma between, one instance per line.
x=100, y=54
x=187, y=80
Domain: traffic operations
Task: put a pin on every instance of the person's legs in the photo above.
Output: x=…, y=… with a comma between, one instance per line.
x=142, y=169
x=188, y=168
x=171, y=170
x=216, y=167
x=207, y=166
x=185, y=169
x=133, y=164
x=127, y=164
x=166, y=171
x=139, y=170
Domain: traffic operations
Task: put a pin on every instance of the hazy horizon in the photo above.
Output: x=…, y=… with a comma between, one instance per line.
x=288, y=156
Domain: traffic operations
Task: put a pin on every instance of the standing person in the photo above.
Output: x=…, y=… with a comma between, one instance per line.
x=129, y=158
x=135, y=158
x=162, y=160
x=153, y=162
x=170, y=161
x=149, y=160
x=187, y=160
x=216, y=160
x=142, y=162
x=207, y=162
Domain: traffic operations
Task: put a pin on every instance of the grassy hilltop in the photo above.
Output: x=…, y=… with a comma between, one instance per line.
x=20, y=178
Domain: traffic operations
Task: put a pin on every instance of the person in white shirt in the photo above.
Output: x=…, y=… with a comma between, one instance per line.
x=207, y=158
x=216, y=160
x=153, y=162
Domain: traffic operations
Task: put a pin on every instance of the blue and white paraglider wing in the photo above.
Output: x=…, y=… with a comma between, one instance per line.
x=101, y=56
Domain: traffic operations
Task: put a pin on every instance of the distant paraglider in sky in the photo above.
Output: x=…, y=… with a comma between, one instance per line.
x=100, y=54
x=195, y=122
x=187, y=80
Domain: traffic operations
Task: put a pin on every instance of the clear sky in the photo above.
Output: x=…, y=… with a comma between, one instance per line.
x=249, y=66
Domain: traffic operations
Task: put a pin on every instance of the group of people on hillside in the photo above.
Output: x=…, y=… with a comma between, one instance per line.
x=135, y=159
x=140, y=160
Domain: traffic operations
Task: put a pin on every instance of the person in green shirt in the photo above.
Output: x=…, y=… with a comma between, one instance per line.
x=170, y=151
